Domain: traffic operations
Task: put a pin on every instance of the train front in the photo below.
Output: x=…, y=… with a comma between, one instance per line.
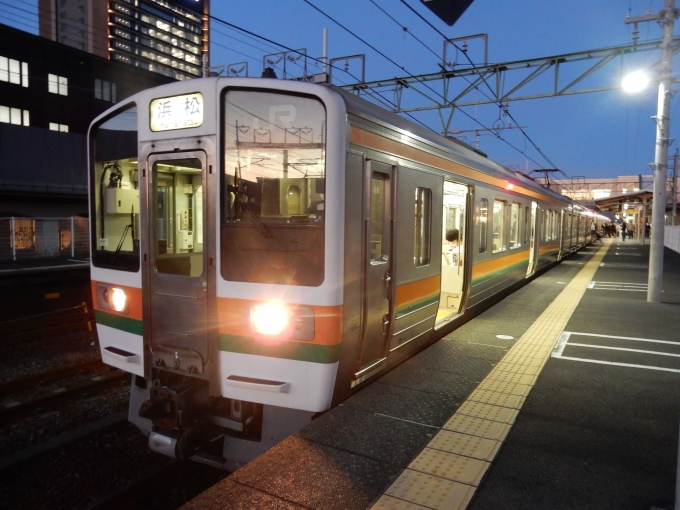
x=217, y=227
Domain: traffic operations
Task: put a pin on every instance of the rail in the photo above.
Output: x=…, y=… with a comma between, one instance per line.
x=74, y=319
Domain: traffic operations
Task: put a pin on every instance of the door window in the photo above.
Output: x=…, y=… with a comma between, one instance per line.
x=178, y=216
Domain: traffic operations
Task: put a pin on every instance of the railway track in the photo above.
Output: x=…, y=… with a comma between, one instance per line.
x=59, y=392
x=26, y=383
x=73, y=319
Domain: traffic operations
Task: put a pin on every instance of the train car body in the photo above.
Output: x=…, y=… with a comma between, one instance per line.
x=263, y=248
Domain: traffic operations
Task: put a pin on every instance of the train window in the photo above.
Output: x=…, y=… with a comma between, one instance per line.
x=498, y=226
x=273, y=192
x=115, y=192
x=378, y=191
x=483, y=222
x=423, y=227
x=514, y=225
x=177, y=216
x=526, y=226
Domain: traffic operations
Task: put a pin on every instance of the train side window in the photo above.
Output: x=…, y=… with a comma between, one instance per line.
x=423, y=227
x=498, y=226
x=514, y=225
x=483, y=222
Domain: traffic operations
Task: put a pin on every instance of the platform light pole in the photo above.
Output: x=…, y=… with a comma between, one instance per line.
x=667, y=19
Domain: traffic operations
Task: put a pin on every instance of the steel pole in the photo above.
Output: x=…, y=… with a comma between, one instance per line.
x=662, y=118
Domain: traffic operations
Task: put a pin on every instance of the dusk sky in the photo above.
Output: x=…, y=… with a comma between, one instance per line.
x=601, y=134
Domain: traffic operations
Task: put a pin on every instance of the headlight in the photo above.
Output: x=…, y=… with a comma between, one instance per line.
x=111, y=298
x=268, y=319
x=280, y=321
x=118, y=299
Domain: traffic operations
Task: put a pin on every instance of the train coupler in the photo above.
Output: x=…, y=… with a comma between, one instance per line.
x=177, y=414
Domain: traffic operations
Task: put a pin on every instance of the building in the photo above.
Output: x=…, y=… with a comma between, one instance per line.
x=49, y=95
x=169, y=37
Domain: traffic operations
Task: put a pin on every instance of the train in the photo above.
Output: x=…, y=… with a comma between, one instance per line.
x=262, y=249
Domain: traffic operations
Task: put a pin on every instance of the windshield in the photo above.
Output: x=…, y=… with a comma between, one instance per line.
x=114, y=189
x=273, y=188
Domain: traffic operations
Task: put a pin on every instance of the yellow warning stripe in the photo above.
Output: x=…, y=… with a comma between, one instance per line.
x=447, y=472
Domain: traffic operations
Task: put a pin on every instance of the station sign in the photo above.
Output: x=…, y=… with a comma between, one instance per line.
x=176, y=112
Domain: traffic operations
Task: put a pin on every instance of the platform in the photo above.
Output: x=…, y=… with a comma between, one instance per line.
x=563, y=395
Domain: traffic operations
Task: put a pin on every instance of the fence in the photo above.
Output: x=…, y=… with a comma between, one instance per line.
x=33, y=238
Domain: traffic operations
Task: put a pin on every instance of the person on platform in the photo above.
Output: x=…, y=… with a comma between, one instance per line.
x=594, y=236
x=624, y=227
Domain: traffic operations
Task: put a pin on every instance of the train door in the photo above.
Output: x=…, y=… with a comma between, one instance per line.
x=454, y=234
x=533, y=239
x=177, y=273
x=378, y=303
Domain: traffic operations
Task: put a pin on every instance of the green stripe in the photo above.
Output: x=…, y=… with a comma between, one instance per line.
x=498, y=272
x=119, y=322
x=416, y=305
x=288, y=350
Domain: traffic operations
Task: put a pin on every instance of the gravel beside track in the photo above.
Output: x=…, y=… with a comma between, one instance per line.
x=78, y=473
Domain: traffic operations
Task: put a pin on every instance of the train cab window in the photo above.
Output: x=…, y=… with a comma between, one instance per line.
x=498, y=223
x=273, y=188
x=115, y=192
x=514, y=225
x=483, y=224
x=423, y=227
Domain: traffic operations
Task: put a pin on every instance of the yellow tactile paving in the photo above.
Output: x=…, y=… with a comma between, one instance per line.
x=505, y=387
x=470, y=439
x=477, y=427
x=431, y=491
x=464, y=444
x=512, y=377
x=497, y=399
x=390, y=503
x=450, y=466
x=488, y=412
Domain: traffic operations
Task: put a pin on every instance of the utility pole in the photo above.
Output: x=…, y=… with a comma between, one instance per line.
x=674, y=188
x=666, y=19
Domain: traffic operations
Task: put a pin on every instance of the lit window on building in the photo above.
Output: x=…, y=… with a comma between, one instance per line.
x=13, y=71
x=62, y=128
x=15, y=116
x=57, y=84
x=24, y=234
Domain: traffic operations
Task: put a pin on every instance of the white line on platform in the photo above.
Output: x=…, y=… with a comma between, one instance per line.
x=631, y=365
x=561, y=344
x=641, y=351
x=622, y=338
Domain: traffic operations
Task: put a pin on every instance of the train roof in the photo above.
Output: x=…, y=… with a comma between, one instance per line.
x=366, y=109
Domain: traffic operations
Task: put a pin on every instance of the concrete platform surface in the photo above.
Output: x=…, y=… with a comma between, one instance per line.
x=587, y=419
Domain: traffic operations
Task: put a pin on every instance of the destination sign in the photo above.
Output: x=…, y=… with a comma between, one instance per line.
x=177, y=112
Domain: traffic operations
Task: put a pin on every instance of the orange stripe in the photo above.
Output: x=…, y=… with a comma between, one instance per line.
x=231, y=318
x=414, y=291
x=134, y=298
x=481, y=269
x=548, y=247
x=367, y=139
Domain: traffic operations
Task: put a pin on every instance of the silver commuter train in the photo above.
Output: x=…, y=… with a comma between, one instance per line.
x=263, y=248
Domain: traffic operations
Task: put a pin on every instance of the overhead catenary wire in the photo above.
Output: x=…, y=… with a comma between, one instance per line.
x=538, y=149
x=412, y=76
